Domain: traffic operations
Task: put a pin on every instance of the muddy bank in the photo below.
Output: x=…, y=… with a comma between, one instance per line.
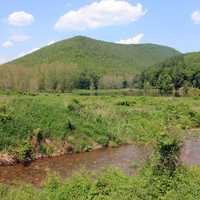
x=38, y=149
x=126, y=158
x=6, y=160
x=52, y=149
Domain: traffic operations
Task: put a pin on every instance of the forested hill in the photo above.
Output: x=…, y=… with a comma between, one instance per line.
x=98, y=55
x=174, y=73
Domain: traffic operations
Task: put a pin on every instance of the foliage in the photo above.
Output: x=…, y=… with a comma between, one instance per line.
x=88, y=80
x=25, y=151
x=161, y=120
x=175, y=73
x=98, y=55
x=80, y=62
x=85, y=120
x=111, y=185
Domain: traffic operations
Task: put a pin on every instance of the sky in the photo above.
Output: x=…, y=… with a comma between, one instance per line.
x=27, y=25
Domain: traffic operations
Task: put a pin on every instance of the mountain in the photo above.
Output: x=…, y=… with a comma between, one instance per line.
x=192, y=59
x=98, y=55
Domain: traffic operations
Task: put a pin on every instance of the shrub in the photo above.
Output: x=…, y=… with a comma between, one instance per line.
x=25, y=151
x=126, y=103
x=46, y=149
x=74, y=106
x=39, y=134
x=103, y=140
x=4, y=118
x=85, y=146
x=3, y=108
x=70, y=125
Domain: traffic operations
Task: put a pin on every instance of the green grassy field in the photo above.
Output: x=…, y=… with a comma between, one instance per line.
x=85, y=121
x=82, y=122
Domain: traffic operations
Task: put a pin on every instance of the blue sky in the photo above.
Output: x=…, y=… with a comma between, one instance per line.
x=29, y=25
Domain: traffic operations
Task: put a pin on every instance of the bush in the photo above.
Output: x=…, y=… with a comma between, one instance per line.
x=103, y=140
x=4, y=118
x=75, y=106
x=46, y=149
x=25, y=151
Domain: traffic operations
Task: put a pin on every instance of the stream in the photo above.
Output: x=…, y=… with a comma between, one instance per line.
x=190, y=154
x=124, y=158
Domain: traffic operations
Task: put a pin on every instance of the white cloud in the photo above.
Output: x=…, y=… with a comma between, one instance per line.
x=15, y=39
x=20, y=38
x=133, y=40
x=20, y=18
x=7, y=44
x=100, y=14
x=196, y=17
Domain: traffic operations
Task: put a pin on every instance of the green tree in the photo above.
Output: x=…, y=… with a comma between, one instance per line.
x=165, y=83
x=95, y=78
x=84, y=80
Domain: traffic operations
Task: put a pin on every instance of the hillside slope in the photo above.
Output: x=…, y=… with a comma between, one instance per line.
x=174, y=73
x=192, y=59
x=98, y=55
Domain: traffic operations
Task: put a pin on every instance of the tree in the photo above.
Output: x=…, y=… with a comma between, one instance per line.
x=84, y=80
x=196, y=80
x=95, y=80
x=125, y=84
x=165, y=83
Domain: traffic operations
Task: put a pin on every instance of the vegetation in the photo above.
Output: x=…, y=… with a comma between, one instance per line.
x=160, y=180
x=31, y=124
x=179, y=73
x=98, y=55
x=83, y=63
x=44, y=123
x=34, y=124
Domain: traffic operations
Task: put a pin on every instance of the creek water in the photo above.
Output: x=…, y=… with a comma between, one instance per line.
x=124, y=158
x=190, y=154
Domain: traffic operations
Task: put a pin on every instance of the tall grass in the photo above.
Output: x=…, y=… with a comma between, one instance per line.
x=82, y=121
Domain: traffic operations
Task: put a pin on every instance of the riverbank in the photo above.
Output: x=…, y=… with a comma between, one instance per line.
x=65, y=150
x=47, y=125
x=158, y=179
x=128, y=158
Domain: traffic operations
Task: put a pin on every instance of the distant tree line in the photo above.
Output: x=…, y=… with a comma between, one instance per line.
x=57, y=77
x=171, y=75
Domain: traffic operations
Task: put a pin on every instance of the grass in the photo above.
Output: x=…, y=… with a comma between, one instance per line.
x=112, y=185
x=83, y=121
x=117, y=92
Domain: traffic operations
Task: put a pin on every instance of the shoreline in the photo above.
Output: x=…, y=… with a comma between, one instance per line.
x=10, y=160
x=7, y=160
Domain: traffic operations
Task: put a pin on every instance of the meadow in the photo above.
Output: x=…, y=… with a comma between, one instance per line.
x=48, y=123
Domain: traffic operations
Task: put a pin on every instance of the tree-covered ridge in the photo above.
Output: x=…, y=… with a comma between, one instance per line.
x=83, y=63
x=98, y=55
x=175, y=73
